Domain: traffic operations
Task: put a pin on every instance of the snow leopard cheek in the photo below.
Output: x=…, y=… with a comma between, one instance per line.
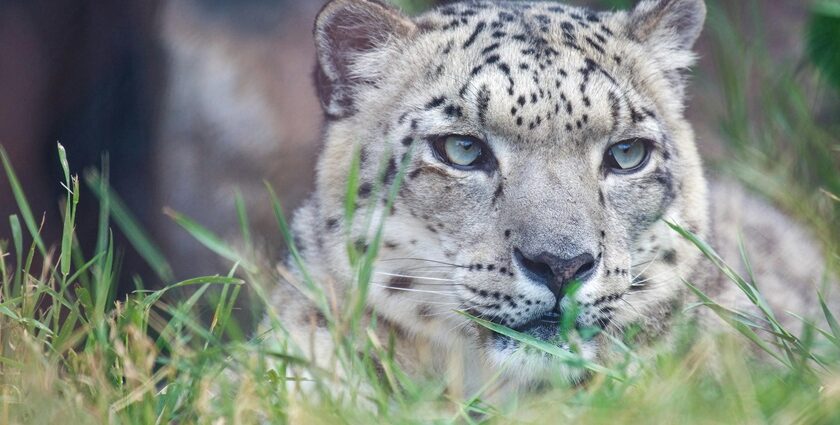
x=642, y=201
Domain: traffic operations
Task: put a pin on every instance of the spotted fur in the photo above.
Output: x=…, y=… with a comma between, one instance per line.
x=549, y=87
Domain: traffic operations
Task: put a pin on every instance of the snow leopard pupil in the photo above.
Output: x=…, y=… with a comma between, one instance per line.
x=462, y=151
x=628, y=155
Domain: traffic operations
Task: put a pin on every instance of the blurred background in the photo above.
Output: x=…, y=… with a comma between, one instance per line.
x=192, y=103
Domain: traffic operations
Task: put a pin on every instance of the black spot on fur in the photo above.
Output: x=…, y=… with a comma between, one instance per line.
x=396, y=283
x=363, y=157
x=390, y=171
x=332, y=224
x=670, y=256
x=314, y=316
x=595, y=45
x=364, y=190
x=424, y=311
x=478, y=29
x=435, y=102
x=483, y=101
x=453, y=111
x=360, y=245
x=490, y=48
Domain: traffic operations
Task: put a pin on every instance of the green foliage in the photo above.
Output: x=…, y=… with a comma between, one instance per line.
x=617, y=4
x=824, y=39
x=413, y=6
x=773, y=123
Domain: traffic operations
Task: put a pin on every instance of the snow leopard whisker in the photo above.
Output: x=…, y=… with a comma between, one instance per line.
x=422, y=259
x=422, y=301
x=436, y=284
x=649, y=263
x=430, y=269
x=439, y=313
x=629, y=304
x=415, y=277
x=636, y=283
x=392, y=288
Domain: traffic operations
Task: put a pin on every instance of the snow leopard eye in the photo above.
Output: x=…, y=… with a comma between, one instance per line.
x=462, y=152
x=628, y=155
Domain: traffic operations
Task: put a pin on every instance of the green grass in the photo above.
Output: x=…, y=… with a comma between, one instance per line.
x=72, y=353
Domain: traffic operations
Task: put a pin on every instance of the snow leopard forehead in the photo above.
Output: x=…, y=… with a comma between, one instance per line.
x=535, y=71
x=530, y=71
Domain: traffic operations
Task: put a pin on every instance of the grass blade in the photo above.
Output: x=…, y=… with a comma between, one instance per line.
x=72, y=200
x=129, y=226
x=829, y=317
x=242, y=216
x=155, y=296
x=23, y=205
x=209, y=239
x=567, y=357
x=727, y=316
x=17, y=240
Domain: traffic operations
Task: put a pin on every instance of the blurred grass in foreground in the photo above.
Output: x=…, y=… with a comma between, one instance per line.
x=71, y=353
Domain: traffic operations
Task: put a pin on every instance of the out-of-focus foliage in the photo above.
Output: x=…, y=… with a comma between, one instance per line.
x=824, y=39
x=773, y=122
x=414, y=6
x=616, y=4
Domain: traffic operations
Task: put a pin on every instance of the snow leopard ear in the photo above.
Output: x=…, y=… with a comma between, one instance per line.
x=668, y=30
x=345, y=30
x=668, y=26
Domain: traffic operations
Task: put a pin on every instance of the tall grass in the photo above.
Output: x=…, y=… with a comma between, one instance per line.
x=70, y=352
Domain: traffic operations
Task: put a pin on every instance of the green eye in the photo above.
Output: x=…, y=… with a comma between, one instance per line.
x=462, y=152
x=628, y=155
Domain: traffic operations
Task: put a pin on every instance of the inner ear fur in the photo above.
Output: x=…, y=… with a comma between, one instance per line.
x=345, y=30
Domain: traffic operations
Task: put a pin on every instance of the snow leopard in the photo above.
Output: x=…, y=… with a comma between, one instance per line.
x=526, y=160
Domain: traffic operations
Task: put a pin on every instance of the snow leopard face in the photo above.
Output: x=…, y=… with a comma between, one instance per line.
x=537, y=148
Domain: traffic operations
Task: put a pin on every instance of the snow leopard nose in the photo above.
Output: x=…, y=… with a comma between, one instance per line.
x=554, y=271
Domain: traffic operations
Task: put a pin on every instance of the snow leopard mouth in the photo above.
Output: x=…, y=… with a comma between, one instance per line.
x=550, y=328
x=545, y=327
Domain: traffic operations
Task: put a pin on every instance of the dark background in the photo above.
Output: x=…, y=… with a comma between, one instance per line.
x=88, y=74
